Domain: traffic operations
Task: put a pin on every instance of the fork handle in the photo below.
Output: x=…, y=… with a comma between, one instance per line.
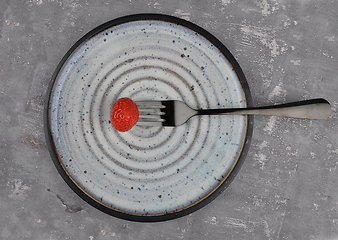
x=309, y=109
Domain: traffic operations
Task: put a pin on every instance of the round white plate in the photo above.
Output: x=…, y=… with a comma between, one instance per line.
x=147, y=173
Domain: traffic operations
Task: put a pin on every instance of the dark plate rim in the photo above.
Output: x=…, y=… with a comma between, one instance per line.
x=215, y=193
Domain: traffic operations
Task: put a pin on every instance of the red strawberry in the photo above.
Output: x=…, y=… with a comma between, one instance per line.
x=124, y=114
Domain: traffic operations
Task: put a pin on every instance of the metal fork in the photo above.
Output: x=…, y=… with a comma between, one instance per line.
x=173, y=113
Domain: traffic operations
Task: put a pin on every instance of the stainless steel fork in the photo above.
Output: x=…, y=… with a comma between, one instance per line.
x=174, y=113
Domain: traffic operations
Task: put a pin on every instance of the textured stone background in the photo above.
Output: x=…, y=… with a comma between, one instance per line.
x=286, y=189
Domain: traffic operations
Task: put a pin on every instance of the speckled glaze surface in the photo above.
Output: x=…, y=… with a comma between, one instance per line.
x=148, y=173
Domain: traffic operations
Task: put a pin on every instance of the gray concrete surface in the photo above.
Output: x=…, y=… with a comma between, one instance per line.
x=287, y=187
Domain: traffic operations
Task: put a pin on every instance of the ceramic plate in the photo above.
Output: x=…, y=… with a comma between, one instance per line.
x=148, y=173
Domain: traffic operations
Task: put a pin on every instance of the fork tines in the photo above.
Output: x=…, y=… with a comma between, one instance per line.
x=150, y=113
